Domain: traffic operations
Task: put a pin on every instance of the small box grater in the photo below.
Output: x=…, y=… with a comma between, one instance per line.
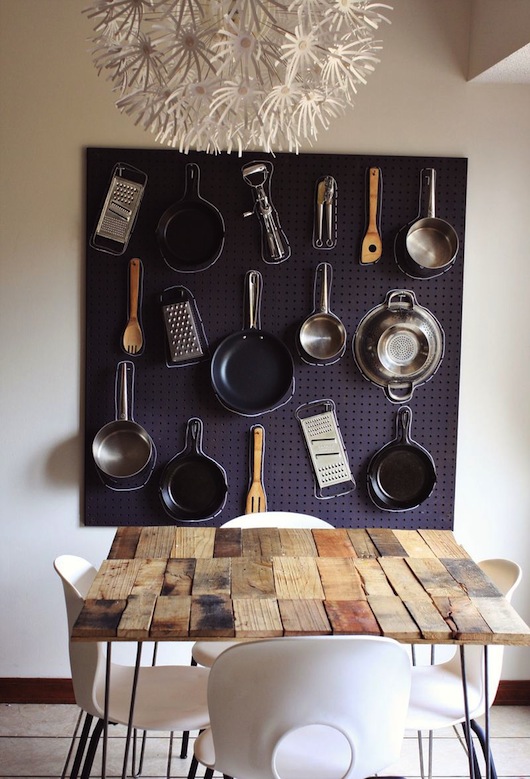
x=120, y=209
x=185, y=338
x=326, y=449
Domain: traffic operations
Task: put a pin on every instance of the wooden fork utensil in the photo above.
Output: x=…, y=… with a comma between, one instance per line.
x=133, y=339
x=256, y=498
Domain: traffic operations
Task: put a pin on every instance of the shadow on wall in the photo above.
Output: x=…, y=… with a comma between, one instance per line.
x=63, y=466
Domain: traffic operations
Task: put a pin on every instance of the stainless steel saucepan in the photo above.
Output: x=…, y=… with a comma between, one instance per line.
x=123, y=448
x=428, y=246
x=322, y=336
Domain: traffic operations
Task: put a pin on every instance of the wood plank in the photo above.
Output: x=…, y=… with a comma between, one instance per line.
x=434, y=577
x=156, y=542
x=171, y=617
x=150, y=577
x=471, y=578
x=136, y=618
x=211, y=617
x=125, y=543
x=99, y=619
x=297, y=542
x=304, y=617
x=393, y=618
x=443, y=543
x=362, y=543
x=413, y=543
x=340, y=578
x=261, y=542
x=227, y=542
x=464, y=619
x=386, y=542
x=114, y=580
x=252, y=578
x=178, y=578
x=402, y=580
x=503, y=620
x=351, y=617
x=333, y=543
x=212, y=577
x=297, y=577
x=257, y=618
x=373, y=577
x=193, y=542
x=429, y=620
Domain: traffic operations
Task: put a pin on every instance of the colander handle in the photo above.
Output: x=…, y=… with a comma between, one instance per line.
x=401, y=298
x=399, y=393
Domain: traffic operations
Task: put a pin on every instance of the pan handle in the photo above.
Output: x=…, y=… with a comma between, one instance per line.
x=254, y=289
x=124, y=398
x=427, y=193
x=403, y=425
x=325, y=273
x=193, y=175
x=194, y=430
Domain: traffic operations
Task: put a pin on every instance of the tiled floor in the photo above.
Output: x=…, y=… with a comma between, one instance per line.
x=34, y=741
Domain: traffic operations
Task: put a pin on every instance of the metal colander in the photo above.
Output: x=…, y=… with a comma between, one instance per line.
x=398, y=345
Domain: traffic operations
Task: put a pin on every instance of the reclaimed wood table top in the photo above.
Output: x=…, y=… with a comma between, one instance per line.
x=187, y=583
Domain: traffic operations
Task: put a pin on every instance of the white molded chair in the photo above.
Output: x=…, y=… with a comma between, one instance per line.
x=437, y=699
x=326, y=707
x=277, y=519
x=168, y=697
x=205, y=652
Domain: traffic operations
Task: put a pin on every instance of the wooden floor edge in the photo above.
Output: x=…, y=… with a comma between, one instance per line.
x=37, y=690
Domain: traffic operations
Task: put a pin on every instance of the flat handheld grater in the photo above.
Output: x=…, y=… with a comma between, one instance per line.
x=326, y=450
x=186, y=340
x=120, y=209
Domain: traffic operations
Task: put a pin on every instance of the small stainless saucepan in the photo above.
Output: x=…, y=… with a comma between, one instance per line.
x=322, y=336
x=428, y=246
x=123, y=448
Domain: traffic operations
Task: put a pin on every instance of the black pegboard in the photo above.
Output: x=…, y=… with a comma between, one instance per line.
x=165, y=398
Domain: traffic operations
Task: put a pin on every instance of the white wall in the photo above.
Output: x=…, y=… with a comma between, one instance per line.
x=417, y=102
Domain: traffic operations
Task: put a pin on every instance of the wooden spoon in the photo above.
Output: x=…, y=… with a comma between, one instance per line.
x=256, y=498
x=372, y=246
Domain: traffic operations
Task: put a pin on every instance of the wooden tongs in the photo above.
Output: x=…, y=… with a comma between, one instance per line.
x=256, y=498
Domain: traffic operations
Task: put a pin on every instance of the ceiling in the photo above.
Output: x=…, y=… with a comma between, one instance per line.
x=499, y=48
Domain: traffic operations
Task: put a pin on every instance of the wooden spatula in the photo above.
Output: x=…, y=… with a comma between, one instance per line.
x=256, y=498
x=372, y=246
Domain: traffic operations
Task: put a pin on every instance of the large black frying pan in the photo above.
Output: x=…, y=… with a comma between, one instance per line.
x=402, y=474
x=191, y=232
x=193, y=486
x=252, y=371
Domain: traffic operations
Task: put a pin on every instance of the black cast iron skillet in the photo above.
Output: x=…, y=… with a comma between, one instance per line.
x=252, y=371
x=191, y=232
x=193, y=486
x=402, y=474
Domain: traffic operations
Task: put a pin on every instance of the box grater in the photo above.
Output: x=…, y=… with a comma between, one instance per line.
x=185, y=337
x=326, y=449
x=120, y=209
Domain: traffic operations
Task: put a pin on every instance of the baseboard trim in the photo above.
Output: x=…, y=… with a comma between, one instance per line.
x=28, y=690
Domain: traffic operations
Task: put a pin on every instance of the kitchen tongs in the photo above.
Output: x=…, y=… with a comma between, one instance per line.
x=325, y=211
